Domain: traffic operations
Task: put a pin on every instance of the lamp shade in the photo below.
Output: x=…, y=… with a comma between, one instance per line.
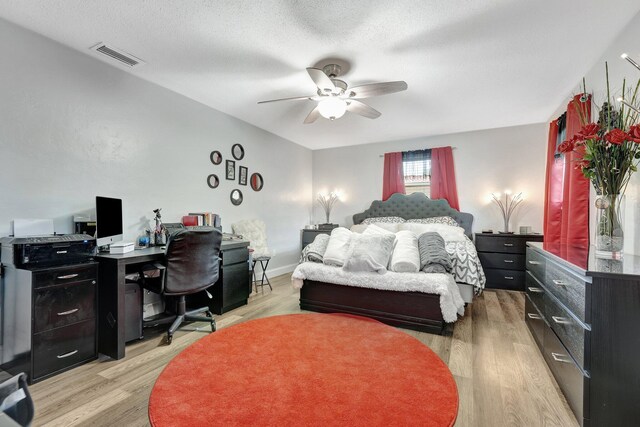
x=332, y=108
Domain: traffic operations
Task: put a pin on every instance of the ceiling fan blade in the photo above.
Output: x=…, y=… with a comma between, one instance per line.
x=375, y=89
x=295, y=98
x=362, y=109
x=321, y=80
x=312, y=116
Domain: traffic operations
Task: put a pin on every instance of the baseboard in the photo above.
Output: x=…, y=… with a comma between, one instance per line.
x=274, y=272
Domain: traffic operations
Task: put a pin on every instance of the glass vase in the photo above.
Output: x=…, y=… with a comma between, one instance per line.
x=609, y=233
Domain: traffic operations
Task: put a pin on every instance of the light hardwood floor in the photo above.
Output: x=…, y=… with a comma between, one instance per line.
x=502, y=378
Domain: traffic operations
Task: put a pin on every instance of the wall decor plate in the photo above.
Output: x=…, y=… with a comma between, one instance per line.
x=215, y=157
x=213, y=181
x=257, y=182
x=237, y=151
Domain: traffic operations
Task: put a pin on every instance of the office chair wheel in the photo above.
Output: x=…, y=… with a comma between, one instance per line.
x=213, y=324
x=169, y=339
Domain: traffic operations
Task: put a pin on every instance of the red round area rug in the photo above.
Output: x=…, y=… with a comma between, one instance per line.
x=305, y=370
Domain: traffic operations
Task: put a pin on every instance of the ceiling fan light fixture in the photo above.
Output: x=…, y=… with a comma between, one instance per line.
x=332, y=108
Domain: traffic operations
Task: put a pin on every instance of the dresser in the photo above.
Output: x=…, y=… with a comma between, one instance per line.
x=49, y=319
x=584, y=314
x=503, y=258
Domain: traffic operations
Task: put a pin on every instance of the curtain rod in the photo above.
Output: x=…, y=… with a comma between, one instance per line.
x=382, y=155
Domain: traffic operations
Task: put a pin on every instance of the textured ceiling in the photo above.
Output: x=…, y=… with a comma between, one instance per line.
x=469, y=64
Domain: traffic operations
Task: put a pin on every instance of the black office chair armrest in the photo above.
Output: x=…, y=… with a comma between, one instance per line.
x=152, y=277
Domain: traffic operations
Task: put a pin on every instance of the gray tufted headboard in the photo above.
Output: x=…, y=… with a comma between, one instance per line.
x=416, y=205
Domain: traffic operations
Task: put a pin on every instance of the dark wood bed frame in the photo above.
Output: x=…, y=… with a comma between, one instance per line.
x=411, y=310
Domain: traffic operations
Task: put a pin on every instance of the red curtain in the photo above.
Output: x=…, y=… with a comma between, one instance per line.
x=393, y=178
x=566, y=214
x=575, y=210
x=553, y=188
x=443, y=177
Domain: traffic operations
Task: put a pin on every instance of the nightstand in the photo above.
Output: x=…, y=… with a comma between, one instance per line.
x=503, y=258
x=308, y=235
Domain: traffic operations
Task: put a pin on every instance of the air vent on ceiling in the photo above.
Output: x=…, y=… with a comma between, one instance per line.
x=122, y=57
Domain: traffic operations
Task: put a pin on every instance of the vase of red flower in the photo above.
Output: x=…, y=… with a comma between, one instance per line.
x=609, y=233
x=608, y=153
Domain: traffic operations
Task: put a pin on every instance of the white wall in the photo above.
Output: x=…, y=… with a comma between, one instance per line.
x=619, y=69
x=485, y=161
x=72, y=127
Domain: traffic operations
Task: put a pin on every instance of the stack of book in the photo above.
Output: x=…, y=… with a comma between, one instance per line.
x=208, y=219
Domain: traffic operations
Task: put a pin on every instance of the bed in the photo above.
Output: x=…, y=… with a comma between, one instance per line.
x=408, y=309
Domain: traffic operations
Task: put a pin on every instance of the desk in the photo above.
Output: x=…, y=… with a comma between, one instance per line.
x=230, y=291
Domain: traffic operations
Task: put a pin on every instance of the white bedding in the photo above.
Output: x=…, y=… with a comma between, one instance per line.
x=451, y=302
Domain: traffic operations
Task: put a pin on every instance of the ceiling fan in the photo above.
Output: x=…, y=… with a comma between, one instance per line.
x=334, y=97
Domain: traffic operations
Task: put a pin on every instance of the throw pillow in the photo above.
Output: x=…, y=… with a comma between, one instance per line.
x=369, y=253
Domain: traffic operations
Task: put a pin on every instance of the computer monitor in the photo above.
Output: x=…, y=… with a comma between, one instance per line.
x=108, y=220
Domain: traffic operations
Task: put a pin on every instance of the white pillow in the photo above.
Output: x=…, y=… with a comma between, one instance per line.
x=338, y=247
x=358, y=228
x=386, y=219
x=376, y=229
x=447, y=220
x=406, y=256
x=448, y=232
x=369, y=253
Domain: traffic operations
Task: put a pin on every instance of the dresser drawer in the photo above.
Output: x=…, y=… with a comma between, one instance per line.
x=64, y=275
x=536, y=264
x=567, y=287
x=235, y=256
x=567, y=374
x=63, y=348
x=535, y=291
x=502, y=261
x=505, y=244
x=505, y=279
x=569, y=330
x=534, y=320
x=56, y=306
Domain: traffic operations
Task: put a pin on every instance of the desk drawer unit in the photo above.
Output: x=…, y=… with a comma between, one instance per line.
x=503, y=259
x=51, y=322
x=59, y=349
x=56, y=306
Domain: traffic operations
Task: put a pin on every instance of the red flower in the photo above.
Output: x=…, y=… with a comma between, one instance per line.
x=617, y=136
x=634, y=133
x=589, y=131
x=567, y=146
x=582, y=164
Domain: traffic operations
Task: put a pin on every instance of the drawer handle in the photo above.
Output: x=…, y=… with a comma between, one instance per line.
x=535, y=290
x=559, y=282
x=61, y=252
x=68, y=276
x=510, y=261
x=508, y=245
x=535, y=262
x=561, y=358
x=534, y=316
x=68, y=312
x=71, y=353
x=561, y=320
x=508, y=277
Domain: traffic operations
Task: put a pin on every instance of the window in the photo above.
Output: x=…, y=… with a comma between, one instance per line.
x=417, y=171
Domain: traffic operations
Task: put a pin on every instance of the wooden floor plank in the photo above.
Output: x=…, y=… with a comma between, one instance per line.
x=501, y=376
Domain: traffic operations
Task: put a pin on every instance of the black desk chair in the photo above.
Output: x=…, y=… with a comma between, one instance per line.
x=192, y=266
